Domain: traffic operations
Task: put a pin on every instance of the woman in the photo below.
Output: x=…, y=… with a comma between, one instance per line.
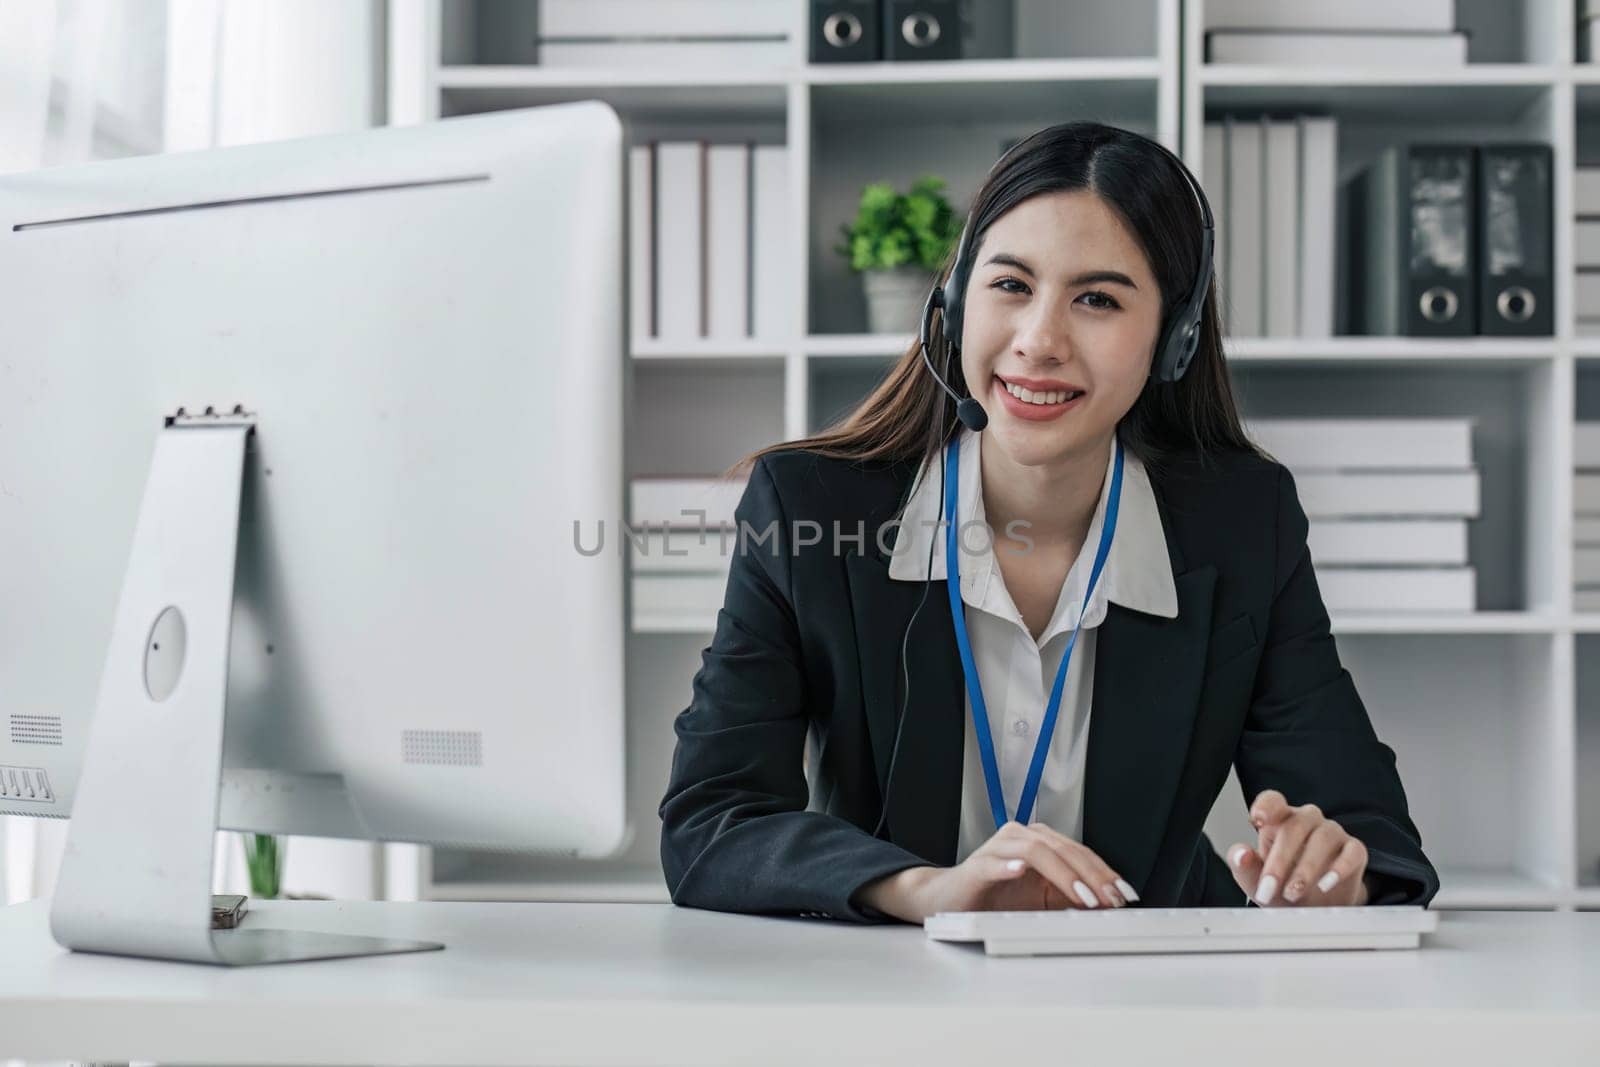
x=1125, y=606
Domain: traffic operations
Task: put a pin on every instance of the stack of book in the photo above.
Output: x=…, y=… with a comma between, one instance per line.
x=1586, y=250
x=681, y=536
x=1273, y=188
x=1387, y=502
x=672, y=34
x=1586, y=517
x=709, y=241
x=1361, y=33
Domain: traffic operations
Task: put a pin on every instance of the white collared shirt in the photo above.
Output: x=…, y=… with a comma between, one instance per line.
x=1016, y=671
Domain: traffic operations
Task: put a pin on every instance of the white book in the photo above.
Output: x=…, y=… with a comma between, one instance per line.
x=1281, y=207
x=1586, y=246
x=1586, y=191
x=1586, y=599
x=1586, y=445
x=1366, y=444
x=1319, y=197
x=1245, y=217
x=1338, y=49
x=1586, y=566
x=655, y=501
x=1586, y=531
x=665, y=55
x=1586, y=294
x=1388, y=541
x=772, y=248
x=1444, y=494
x=709, y=551
x=1214, y=180
x=1398, y=589
x=728, y=241
x=661, y=598
x=641, y=240
x=1419, y=15
x=679, y=237
x=1586, y=494
x=664, y=18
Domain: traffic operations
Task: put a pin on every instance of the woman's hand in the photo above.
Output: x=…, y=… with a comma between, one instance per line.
x=1309, y=855
x=1020, y=868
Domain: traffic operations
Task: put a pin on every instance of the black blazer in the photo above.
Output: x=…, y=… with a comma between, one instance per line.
x=808, y=644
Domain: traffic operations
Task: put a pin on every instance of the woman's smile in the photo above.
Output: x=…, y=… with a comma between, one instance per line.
x=1049, y=401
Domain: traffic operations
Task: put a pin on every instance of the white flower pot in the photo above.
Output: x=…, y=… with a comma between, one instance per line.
x=895, y=298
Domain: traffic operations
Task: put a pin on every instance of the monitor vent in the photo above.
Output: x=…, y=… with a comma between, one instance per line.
x=454, y=748
x=36, y=729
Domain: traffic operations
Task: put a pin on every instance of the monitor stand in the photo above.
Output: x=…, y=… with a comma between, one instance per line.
x=135, y=878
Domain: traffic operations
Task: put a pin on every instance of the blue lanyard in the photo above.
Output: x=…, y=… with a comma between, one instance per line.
x=969, y=669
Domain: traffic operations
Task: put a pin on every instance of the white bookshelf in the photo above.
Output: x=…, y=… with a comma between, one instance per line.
x=1494, y=719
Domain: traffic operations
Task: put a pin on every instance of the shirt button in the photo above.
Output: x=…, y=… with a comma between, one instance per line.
x=1019, y=727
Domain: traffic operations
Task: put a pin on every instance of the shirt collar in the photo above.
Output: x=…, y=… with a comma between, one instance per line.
x=1137, y=573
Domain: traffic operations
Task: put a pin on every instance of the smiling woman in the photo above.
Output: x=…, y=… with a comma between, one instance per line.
x=1053, y=730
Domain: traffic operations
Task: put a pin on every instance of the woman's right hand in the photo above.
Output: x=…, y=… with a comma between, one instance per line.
x=1019, y=868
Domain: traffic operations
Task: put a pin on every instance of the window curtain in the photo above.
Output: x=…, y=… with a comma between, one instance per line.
x=101, y=79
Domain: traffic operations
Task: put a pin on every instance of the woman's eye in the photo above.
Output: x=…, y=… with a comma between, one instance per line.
x=1098, y=300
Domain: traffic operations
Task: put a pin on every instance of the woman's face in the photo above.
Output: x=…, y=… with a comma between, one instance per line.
x=1061, y=300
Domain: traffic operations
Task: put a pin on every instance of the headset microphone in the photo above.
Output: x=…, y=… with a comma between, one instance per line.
x=968, y=410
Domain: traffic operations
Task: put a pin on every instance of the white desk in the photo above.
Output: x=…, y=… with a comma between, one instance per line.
x=624, y=983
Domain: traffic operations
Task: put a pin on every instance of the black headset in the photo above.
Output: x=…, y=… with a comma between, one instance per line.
x=1180, y=339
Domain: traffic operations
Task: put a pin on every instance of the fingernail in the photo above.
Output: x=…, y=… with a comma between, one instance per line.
x=1292, y=892
x=1013, y=865
x=1236, y=857
x=1127, y=891
x=1266, y=890
x=1086, y=895
x=1329, y=880
x=1116, y=898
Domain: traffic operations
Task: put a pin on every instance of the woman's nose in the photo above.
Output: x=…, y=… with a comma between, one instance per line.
x=1043, y=336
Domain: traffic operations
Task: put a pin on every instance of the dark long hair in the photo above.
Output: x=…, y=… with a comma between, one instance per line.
x=908, y=417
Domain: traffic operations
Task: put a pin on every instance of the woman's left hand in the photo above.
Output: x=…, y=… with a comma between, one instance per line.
x=1302, y=852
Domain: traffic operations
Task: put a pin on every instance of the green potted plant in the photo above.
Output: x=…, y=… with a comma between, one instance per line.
x=263, y=857
x=896, y=243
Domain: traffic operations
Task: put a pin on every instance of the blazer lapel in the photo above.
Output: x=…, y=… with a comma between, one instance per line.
x=1147, y=678
x=924, y=794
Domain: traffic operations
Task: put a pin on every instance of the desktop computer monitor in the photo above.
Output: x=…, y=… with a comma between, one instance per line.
x=301, y=432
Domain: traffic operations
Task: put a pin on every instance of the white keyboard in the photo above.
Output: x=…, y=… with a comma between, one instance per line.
x=1071, y=931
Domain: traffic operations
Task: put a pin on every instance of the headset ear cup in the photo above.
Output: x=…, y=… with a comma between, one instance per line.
x=1180, y=338
x=1176, y=348
x=955, y=289
x=951, y=319
x=1161, y=366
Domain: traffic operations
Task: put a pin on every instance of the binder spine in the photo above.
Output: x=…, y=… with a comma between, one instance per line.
x=1514, y=218
x=921, y=29
x=846, y=31
x=1375, y=282
x=1439, y=197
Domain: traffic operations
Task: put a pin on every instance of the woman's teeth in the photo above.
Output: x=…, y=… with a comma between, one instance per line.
x=1051, y=396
